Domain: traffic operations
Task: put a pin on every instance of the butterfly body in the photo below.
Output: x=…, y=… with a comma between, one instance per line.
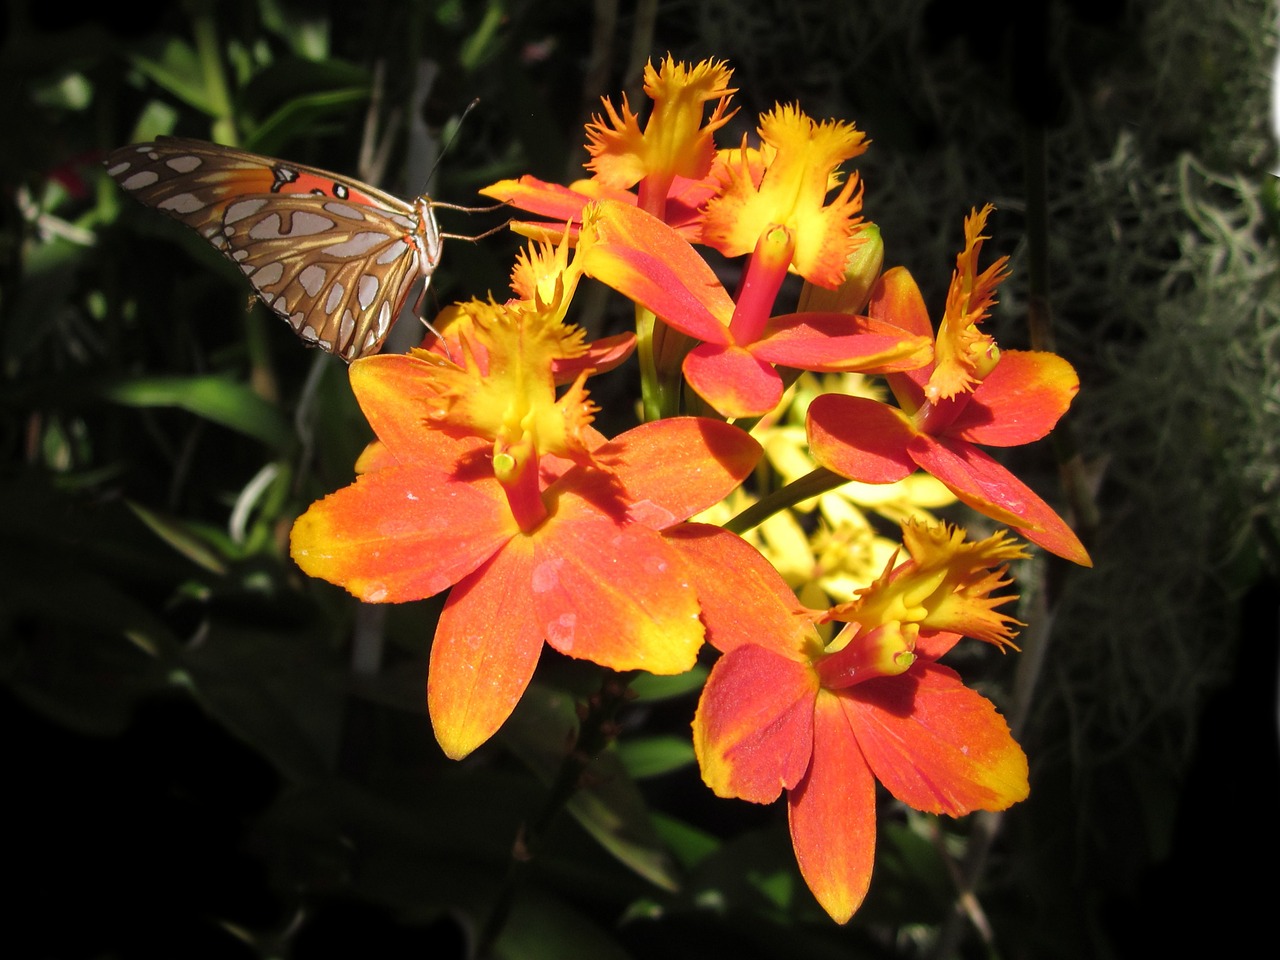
x=334, y=257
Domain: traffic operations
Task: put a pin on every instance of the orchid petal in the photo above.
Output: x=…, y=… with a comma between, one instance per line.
x=896, y=299
x=733, y=380
x=832, y=814
x=792, y=194
x=937, y=745
x=933, y=644
x=744, y=600
x=1019, y=401
x=616, y=594
x=754, y=726
x=385, y=387
x=560, y=203
x=401, y=533
x=676, y=140
x=486, y=646
x=651, y=263
x=600, y=356
x=982, y=483
x=838, y=342
x=543, y=231
x=860, y=439
x=676, y=467
x=375, y=457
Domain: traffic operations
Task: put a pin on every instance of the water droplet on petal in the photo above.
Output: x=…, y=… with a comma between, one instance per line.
x=546, y=575
x=560, y=632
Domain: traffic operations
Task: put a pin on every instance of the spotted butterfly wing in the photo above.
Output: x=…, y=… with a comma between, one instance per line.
x=334, y=257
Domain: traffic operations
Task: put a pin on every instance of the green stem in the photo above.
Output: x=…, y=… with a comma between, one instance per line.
x=810, y=485
x=660, y=350
x=650, y=393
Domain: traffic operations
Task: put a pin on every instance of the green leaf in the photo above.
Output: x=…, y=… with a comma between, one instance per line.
x=178, y=70
x=484, y=43
x=215, y=398
x=648, y=687
x=99, y=650
x=181, y=537
x=302, y=114
x=306, y=31
x=689, y=844
x=426, y=840
x=754, y=872
x=654, y=756
x=542, y=927
x=613, y=811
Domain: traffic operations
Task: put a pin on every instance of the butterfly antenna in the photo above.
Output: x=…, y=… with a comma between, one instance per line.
x=452, y=137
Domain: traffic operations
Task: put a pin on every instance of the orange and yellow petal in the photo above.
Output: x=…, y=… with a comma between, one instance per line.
x=485, y=650
x=965, y=355
x=962, y=579
x=674, y=468
x=651, y=263
x=401, y=533
x=792, y=194
x=1019, y=401
x=753, y=729
x=744, y=599
x=616, y=144
x=395, y=393
x=600, y=356
x=937, y=745
x=732, y=379
x=832, y=813
x=560, y=203
x=948, y=584
x=374, y=457
x=896, y=299
x=675, y=140
x=510, y=398
x=860, y=439
x=840, y=343
x=980, y=482
x=614, y=593
x=543, y=277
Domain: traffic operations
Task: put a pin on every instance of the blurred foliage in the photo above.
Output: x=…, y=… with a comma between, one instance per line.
x=216, y=757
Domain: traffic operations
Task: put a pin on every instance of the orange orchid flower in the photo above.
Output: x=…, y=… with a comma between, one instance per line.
x=733, y=368
x=669, y=160
x=970, y=394
x=782, y=712
x=786, y=193
x=483, y=480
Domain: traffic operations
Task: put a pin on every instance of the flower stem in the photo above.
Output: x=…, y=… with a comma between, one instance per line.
x=820, y=480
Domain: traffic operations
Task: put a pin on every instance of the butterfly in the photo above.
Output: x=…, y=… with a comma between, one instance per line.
x=334, y=257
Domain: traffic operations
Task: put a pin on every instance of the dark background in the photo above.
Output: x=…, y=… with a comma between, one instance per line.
x=193, y=768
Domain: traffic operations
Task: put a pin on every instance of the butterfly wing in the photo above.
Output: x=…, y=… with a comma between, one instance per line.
x=337, y=271
x=334, y=257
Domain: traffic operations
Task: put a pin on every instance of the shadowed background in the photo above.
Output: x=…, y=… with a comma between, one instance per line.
x=209, y=755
